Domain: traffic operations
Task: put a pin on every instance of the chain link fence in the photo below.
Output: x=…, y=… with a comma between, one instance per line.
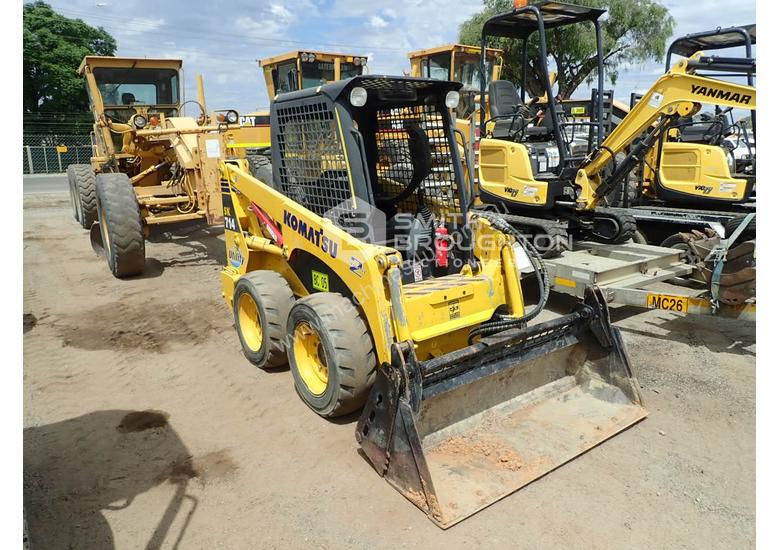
x=52, y=153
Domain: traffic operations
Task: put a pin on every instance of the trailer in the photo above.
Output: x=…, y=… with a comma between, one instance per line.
x=639, y=275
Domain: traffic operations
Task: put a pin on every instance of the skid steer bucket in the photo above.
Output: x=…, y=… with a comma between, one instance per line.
x=458, y=432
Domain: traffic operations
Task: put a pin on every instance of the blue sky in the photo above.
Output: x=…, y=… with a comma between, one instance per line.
x=223, y=41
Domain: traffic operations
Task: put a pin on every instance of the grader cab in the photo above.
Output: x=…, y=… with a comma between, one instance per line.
x=151, y=165
x=288, y=72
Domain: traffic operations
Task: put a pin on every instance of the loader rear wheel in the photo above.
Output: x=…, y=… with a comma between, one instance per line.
x=261, y=305
x=331, y=355
x=81, y=181
x=121, y=227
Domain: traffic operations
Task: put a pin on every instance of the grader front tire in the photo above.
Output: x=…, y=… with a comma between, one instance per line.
x=120, y=222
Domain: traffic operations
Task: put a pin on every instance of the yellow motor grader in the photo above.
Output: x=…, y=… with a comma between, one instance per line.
x=359, y=264
x=461, y=63
x=151, y=165
x=287, y=72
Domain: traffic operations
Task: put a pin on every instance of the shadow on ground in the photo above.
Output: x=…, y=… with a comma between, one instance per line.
x=76, y=469
x=199, y=244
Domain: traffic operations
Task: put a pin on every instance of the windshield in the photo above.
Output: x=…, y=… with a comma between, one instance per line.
x=348, y=70
x=437, y=66
x=128, y=86
x=318, y=73
x=467, y=70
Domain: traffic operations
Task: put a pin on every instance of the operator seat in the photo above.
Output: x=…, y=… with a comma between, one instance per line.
x=128, y=98
x=504, y=99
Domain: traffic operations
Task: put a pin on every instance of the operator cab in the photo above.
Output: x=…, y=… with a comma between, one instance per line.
x=377, y=156
x=538, y=120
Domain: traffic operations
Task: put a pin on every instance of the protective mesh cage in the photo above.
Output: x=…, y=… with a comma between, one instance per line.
x=394, y=169
x=313, y=170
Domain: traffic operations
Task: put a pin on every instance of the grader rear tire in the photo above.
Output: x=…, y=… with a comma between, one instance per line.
x=331, y=354
x=261, y=304
x=81, y=181
x=261, y=169
x=120, y=224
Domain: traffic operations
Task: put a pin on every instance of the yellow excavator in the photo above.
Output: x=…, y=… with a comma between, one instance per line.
x=550, y=185
x=700, y=174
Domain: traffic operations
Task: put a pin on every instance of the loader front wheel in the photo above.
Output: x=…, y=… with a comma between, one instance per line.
x=331, y=355
x=261, y=303
x=81, y=181
x=121, y=228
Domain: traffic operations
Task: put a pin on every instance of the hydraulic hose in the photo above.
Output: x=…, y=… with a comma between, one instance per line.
x=505, y=321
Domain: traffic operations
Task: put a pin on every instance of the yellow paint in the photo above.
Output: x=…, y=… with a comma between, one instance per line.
x=699, y=170
x=505, y=172
x=310, y=358
x=560, y=281
x=668, y=302
x=249, y=322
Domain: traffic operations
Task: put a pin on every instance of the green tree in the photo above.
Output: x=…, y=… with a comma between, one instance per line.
x=53, y=48
x=634, y=31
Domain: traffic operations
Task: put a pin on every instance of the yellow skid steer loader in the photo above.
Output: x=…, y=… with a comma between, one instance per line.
x=360, y=265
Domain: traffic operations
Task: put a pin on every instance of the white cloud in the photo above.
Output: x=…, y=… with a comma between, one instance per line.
x=282, y=13
x=140, y=25
x=377, y=22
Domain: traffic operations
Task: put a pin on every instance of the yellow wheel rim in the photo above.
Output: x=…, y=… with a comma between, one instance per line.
x=310, y=358
x=249, y=322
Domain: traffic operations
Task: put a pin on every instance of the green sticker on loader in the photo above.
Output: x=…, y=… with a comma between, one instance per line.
x=320, y=281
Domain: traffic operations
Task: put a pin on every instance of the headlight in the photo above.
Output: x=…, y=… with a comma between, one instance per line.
x=358, y=96
x=139, y=121
x=231, y=117
x=452, y=99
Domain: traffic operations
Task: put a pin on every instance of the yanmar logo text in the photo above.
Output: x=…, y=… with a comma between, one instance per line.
x=311, y=234
x=721, y=94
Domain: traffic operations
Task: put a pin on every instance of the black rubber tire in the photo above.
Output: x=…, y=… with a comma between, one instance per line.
x=639, y=237
x=273, y=298
x=347, y=349
x=748, y=234
x=261, y=168
x=627, y=225
x=677, y=242
x=120, y=224
x=81, y=181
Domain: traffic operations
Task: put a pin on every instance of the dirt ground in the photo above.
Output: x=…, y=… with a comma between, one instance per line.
x=146, y=427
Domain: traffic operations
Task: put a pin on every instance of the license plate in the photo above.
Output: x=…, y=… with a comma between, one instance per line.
x=667, y=302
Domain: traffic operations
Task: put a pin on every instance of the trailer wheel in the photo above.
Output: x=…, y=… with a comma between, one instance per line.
x=331, y=354
x=81, y=181
x=121, y=228
x=261, y=305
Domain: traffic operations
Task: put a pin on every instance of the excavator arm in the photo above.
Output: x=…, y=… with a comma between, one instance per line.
x=678, y=93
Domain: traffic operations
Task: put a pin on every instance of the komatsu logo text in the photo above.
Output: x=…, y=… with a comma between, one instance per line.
x=721, y=94
x=311, y=234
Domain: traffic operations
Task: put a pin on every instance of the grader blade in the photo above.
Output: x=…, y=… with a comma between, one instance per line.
x=458, y=432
